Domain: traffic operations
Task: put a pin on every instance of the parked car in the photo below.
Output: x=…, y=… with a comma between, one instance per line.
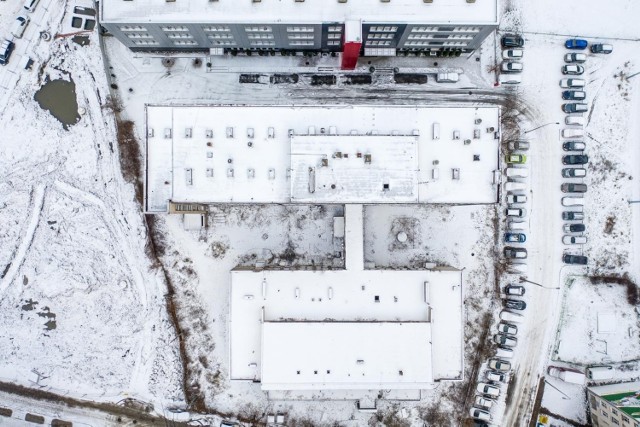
x=575, y=95
x=496, y=376
x=575, y=57
x=515, y=304
x=515, y=237
x=568, y=375
x=572, y=216
x=601, y=48
x=599, y=373
x=512, y=54
x=511, y=40
x=480, y=414
x=575, y=159
x=30, y=5
x=488, y=389
x=573, y=201
x=509, y=79
x=447, y=77
x=575, y=107
x=573, y=146
x=509, y=316
x=511, y=67
x=574, y=173
x=507, y=328
x=504, y=352
x=517, y=172
x=516, y=198
x=574, y=240
x=574, y=120
x=574, y=259
x=515, y=186
x=572, y=133
x=500, y=365
x=572, y=83
x=580, y=44
x=573, y=188
x=514, y=225
x=517, y=212
x=574, y=228
x=505, y=340
x=572, y=69
x=484, y=402
x=6, y=47
x=19, y=25
x=518, y=159
x=514, y=290
x=517, y=253
x=519, y=145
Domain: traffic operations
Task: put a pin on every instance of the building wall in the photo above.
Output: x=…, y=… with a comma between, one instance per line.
x=604, y=414
x=326, y=37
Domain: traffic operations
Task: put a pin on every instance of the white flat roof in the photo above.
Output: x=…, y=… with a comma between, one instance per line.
x=243, y=154
x=333, y=355
x=308, y=11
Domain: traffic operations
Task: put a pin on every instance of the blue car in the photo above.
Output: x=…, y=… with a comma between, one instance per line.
x=576, y=44
x=515, y=238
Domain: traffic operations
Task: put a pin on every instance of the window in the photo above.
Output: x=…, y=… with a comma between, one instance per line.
x=262, y=43
x=302, y=36
x=452, y=44
x=145, y=42
x=219, y=36
x=334, y=36
x=300, y=29
x=467, y=29
x=174, y=28
x=258, y=29
x=377, y=36
x=440, y=36
x=335, y=29
x=301, y=43
x=259, y=36
x=614, y=412
x=139, y=36
x=378, y=43
x=216, y=28
x=625, y=419
x=436, y=43
x=604, y=414
x=333, y=43
x=174, y=36
x=223, y=43
x=615, y=421
x=423, y=29
x=132, y=28
x=381, y=29
x=460, y=37
x=185, y=43
x=446, y=28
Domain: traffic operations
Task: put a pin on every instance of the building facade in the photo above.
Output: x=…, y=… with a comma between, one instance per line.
x=350, y=27
x=615, y=405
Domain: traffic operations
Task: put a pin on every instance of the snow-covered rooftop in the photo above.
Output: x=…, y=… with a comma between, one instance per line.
x=308, y=11
x=281, y=316
x=263, y=154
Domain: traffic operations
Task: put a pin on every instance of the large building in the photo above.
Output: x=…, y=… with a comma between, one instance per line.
x=615, y=405
x=350, y=27
x=321, y=154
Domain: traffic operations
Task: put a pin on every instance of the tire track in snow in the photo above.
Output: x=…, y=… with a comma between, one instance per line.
x=15, y=264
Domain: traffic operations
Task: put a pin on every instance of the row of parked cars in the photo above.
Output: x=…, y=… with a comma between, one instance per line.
x=512, y=54
x=575, y=147
x=17, y=30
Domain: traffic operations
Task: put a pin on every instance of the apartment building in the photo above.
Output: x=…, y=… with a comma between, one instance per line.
x=615, y=405
x=351, y=27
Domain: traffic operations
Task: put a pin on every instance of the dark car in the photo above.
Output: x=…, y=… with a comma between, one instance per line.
x=575, y=107
x=576, y=95
x=574, y=259
x=515, y=304
x=6, y=47
x=515, y=237
x=574, y=173
x=515, y=253
x=573, y=188
x=580, y=44
x=575, y=159
x=512, y=40
x=572, y=216
x=574, y=146
x=574, y=228
x=601, y=48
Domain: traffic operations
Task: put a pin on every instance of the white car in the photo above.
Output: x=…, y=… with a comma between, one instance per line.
x=572, y=83
x=515, y=186
x=511, y=67
x=507, y=328
x=575, y=57
x=509, y=316
x=516, y=198
x=30, y=5
x=509, y=79
x=19, y=25
x=512, y=54
x=484, y=402
x=572, y=201
x=479, y=414
x=574, y=240
x=572, y=133
x=488, y=389
x=574, y=120
x=504, y=352
x=520, y=172
x=517, y=225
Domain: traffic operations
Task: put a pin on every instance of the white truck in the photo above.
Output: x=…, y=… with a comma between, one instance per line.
x=572, y=376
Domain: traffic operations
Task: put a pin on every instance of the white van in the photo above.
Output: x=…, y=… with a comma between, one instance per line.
x=599, y=373
x=515, y=186
x=447, y=77
x=509, y=316
x=514, y=172
x=572, y=133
